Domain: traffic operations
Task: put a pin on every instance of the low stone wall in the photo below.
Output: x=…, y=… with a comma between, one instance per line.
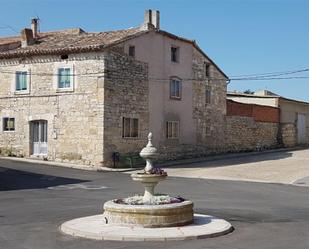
x=245, y=134
x=288, y=134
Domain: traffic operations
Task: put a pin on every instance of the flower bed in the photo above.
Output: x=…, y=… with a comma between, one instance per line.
x=157, y=200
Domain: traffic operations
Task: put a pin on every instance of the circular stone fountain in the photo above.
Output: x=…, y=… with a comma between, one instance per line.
x=147, y=217
x=150, y=211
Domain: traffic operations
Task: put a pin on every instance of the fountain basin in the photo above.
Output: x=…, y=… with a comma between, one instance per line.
x=149, y=216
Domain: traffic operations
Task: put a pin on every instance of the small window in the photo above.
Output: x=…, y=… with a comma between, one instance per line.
x=64, y=78
x=132, y=51
x=8, y=124
x=208, y=95
x=208, y=130
x=207, y=69
x=175, y=89
x=21, y=81
x=175, y=54
x=129, y=127
x=172, y=129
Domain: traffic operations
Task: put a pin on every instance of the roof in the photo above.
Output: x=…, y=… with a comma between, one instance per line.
x=237, y=94
x=77, y=41
x=65, y=41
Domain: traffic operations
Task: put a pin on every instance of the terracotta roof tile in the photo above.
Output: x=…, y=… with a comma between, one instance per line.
x=73, y=40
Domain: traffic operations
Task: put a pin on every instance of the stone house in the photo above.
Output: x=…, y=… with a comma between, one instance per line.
x=294, y=115
x=76, y=96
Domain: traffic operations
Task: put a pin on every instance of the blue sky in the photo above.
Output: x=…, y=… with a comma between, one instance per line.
x=242, y=37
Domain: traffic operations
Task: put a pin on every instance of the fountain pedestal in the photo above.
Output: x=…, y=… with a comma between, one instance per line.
x=149, y=182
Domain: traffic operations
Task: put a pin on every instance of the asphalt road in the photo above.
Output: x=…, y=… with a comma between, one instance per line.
x=36, y=199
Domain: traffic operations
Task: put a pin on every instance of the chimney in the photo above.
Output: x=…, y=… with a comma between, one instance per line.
x=151, y=20
x=26, y=38
x=34, y=27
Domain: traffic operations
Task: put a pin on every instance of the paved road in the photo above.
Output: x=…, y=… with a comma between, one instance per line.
x=35, y=200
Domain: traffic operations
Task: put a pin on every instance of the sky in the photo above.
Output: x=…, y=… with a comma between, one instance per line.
x=242, y=37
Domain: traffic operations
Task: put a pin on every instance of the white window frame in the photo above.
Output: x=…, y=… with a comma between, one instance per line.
x=72, y=77
x=175, y=129
x=172, y=81
x=6, y=117
x=131, y=131
x=28, y=79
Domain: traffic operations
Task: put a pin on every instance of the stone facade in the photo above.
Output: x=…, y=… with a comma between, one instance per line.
x=209, y=117
x=79, y=119
x=126, y=94
x=245, y=134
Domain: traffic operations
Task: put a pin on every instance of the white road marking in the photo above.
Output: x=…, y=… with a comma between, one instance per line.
x=77, y=186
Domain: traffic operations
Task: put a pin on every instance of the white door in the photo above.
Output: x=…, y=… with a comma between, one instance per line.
x=39, y=137
x=301, y=128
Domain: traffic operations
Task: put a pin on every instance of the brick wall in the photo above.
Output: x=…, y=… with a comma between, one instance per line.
x=258, y=112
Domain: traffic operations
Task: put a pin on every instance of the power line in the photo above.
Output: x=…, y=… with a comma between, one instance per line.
x=109, y=75
x=272, y=74
x=9, y=27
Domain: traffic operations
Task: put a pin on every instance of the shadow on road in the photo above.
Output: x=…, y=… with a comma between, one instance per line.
x=11, y=179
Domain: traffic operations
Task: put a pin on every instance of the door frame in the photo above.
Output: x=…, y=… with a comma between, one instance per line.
x=40, y=135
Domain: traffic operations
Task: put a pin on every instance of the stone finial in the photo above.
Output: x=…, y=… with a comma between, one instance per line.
x=149, y=153
x=149, y=140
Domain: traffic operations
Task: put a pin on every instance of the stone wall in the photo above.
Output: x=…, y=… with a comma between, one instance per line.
x=75, y=117
x=245, y=134
x=209, y=117
x=125, y=95
x=288, y=134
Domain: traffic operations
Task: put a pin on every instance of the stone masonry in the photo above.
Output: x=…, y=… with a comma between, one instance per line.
x=209, y=117
x=288, y=134
x=125, y=95
x=107, y=86
x=245, y=134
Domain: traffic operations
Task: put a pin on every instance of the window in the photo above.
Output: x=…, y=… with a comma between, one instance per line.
x=64, y=78
x=207, y=130
x=208, y=95
x=207, y=69
x=172, y=129
x=129, y=127
x=132, y=51
x=21, y=81
x=175, y=54
x=175, y=89
x=8, y=124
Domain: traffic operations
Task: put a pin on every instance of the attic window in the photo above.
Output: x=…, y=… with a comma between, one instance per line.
x=132, y=51
x=207, y=69
x=64, y=57
x=175, y=54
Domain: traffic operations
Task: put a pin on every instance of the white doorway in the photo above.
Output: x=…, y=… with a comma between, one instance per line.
x=301, y=128
x=38, y=135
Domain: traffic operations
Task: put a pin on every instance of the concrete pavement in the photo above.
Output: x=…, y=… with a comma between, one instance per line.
x=36, y=199
x=284, y=167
